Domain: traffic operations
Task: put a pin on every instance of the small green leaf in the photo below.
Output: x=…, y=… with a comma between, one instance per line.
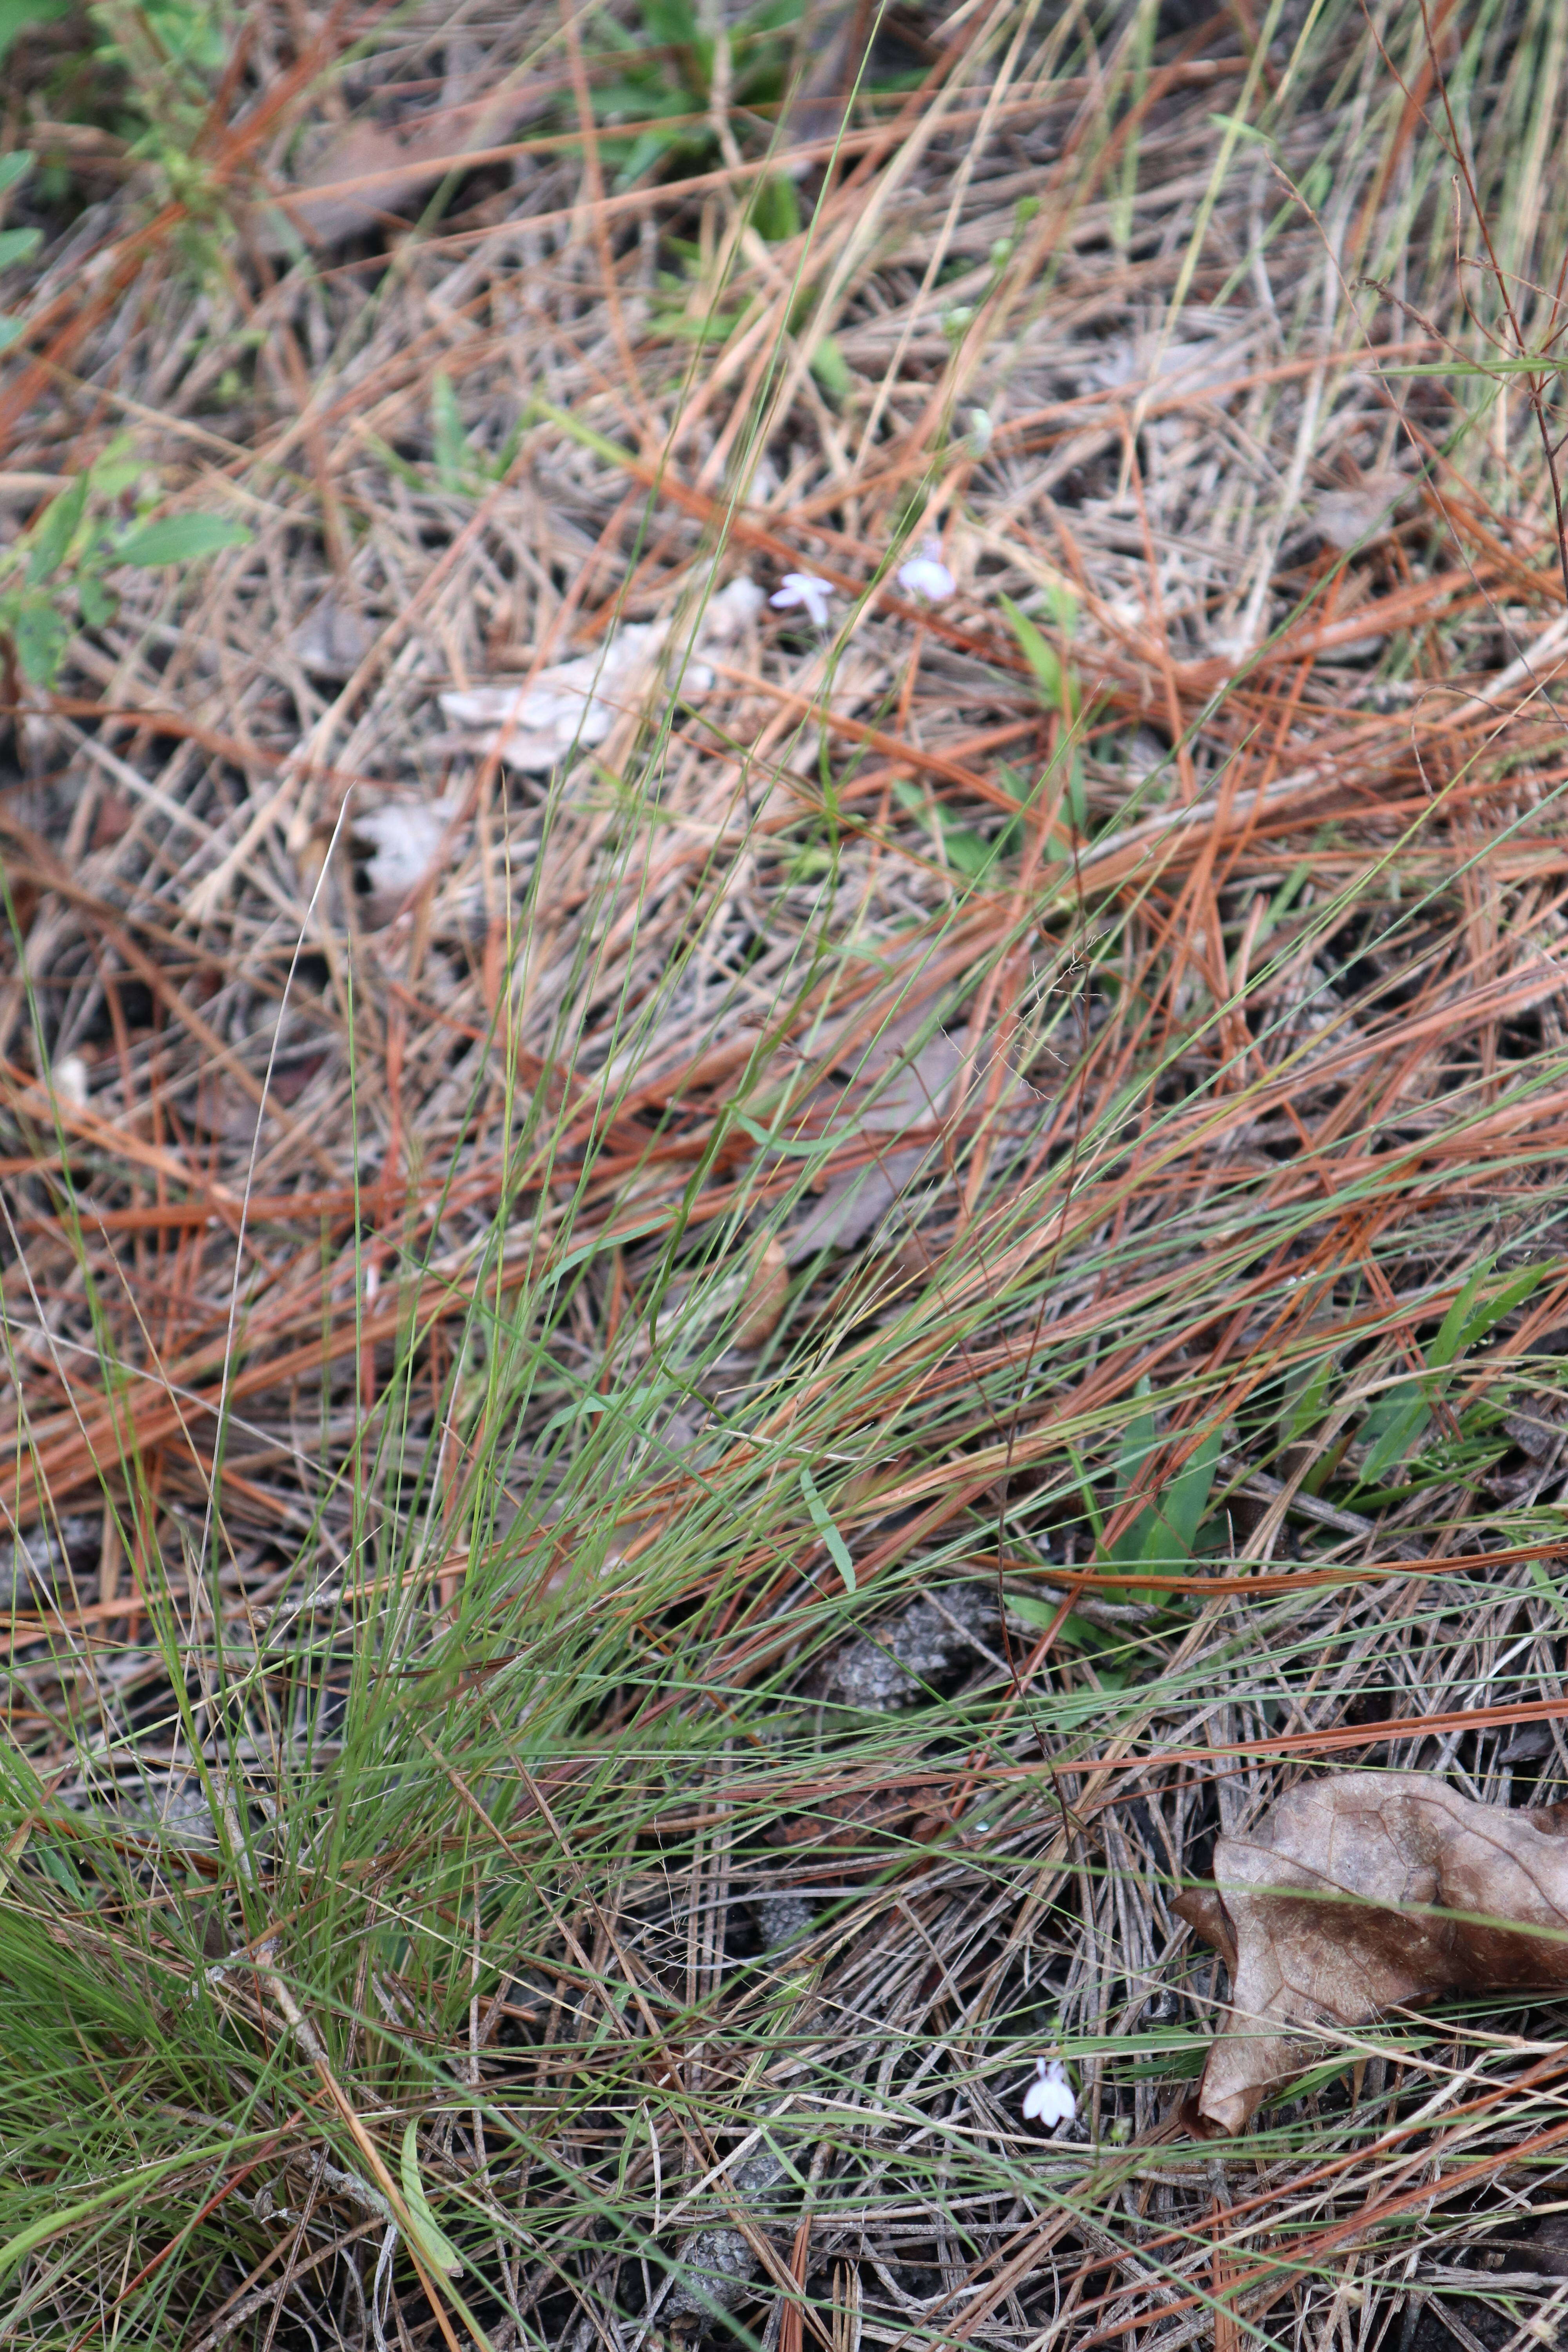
x=52, y=535
x=1465, y=1324
x=117, y=466
x=1139, y=1440
x=497, y=467
x=1074, y=1632
x=426, y=2230
x=1179, y=1512
x=821, y=1520
x=60, y=1868
x=1306, y=1393
x=1402, y=1415
x=41, y=637
x=99, y=604
x=638, y=95
x=831, y=369
x=180, y=538
x=678, y=329
x=968, y=852
x=388, y=456
x=1054, y=682
x=1164, y=1532
x=18, y=245
x=775, y=209
x=452, y=461
x=672, y=23
x=1240, y=129
x=11, y=331
x=1030, y=1611
x=646, y=149
x=813, y=1147
x=1391, y=1428
x=1064, y=606
x=17, y=166
x=1451, y=1338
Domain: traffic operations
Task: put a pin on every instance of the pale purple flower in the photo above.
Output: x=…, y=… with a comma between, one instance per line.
x=926, y=575
x=804, y=588
x=1049, y=2099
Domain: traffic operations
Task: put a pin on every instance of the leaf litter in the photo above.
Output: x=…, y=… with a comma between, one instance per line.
x=1363, y=1892
x=536, y=727
x=440, y=1719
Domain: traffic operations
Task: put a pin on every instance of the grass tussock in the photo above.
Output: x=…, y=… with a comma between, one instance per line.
x=698, y=1377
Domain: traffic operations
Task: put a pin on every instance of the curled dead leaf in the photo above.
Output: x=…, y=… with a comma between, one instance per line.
x=1361, y=1892
x=333, y=639
x=354, y=175
x=1538, y=1426
x=899, y=1084
x=386, y=853
x=535, y=723
x=396, y=848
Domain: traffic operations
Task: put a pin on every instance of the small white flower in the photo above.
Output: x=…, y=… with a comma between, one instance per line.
x=71, y=1080
x=980, y=431
x=926, y=575
x=1049, y=2099
x=804, y=588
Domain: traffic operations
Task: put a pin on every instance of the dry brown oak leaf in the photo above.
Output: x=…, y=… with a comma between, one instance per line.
x=1361, y=1892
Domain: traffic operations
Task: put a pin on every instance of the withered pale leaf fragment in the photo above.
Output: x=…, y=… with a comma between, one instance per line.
x=1361, y=1892
x=1345, y=517
x=765, y=1296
